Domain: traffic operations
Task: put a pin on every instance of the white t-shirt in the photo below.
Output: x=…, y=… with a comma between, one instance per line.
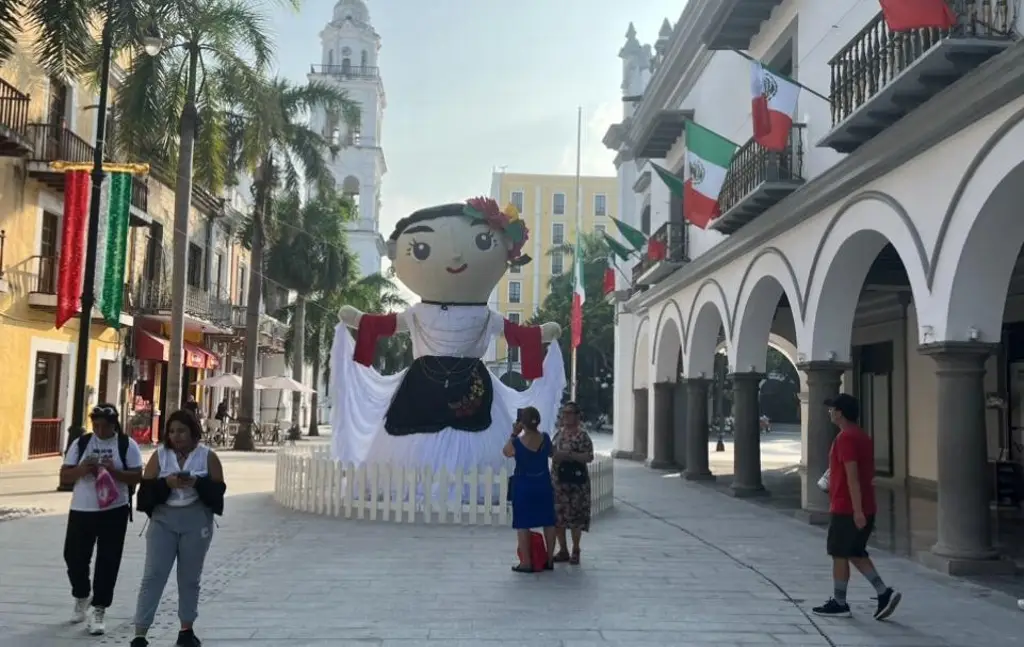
x=83, y=498
x=196, y=463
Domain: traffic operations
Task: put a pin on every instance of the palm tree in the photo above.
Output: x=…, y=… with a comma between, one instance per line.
x=309, y=257
x=272, y=140
x=373, y=293
x=186, y=82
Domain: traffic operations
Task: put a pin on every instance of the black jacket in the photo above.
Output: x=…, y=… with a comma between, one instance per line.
x=154, y=492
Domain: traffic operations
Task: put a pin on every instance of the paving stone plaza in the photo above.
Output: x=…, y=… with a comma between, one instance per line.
x=673, y=564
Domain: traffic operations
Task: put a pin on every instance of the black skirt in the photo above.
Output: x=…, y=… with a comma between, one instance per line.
x=439, y=392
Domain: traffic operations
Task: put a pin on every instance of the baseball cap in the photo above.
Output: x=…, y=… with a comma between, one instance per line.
x=845, y=404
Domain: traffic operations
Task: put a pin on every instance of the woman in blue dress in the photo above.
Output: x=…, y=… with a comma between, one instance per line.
x=533, y=497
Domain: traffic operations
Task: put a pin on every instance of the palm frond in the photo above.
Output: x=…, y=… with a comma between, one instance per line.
x=63, y=34
x=10, y=27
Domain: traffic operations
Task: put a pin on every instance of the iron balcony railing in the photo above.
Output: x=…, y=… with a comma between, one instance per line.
x=44, y=437
x=272, y=330
x=13, y=108
x=753, y=165
x=346, y=71
x=210, y=305
x=876, y=55
x=56, y=142
x=670, y=237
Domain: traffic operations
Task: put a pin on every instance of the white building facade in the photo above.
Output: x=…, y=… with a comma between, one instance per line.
x=879, y=253
x=349, y=62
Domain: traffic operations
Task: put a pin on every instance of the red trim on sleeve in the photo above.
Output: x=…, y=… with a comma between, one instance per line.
x=371, y=328
x=528, y=340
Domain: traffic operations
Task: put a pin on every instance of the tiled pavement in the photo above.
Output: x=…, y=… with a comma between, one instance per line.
x=673, y=564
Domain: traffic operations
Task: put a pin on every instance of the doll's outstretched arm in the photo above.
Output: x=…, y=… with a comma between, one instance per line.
x=530, y=341
x=369, y=328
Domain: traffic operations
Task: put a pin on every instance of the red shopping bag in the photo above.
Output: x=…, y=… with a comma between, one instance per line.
x=538, y=552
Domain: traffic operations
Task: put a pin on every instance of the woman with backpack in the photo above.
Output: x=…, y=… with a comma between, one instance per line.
x=104, y=467
x=182, y=488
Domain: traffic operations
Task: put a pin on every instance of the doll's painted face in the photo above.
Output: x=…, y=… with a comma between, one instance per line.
x=451, y=259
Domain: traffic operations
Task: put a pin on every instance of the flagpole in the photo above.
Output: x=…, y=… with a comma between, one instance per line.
x=579, y=209
x=793, y=81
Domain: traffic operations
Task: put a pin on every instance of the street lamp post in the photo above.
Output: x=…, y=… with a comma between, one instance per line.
x=77, y=427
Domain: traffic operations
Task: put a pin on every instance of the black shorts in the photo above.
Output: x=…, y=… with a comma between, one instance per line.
x=845, y=539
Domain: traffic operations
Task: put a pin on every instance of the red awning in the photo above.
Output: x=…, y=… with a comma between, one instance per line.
x=155, y=348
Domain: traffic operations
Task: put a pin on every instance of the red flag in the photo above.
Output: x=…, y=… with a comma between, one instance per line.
x=905, y=15
x=609, y=280
x=72, y=252
x=656, y=250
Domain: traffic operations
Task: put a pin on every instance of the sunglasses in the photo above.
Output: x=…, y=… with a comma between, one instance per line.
x=103, y=412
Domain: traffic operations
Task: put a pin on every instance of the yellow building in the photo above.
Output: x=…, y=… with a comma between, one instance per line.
x=43, y=120
x=548, y=205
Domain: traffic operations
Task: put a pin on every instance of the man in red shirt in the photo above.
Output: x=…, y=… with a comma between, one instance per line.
x=851, y=488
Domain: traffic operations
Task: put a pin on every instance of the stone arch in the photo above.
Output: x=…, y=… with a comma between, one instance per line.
x=980, y=246
x=350, y=185
x=641, y=360
x=851, y=242
x=708, y=315
x=645, y=217
x=668, y=346
x=768, y=277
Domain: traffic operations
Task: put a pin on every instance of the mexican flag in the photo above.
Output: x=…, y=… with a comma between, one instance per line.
x=708, y=155
x=906, y=15
x=71, y=262
x=111, y=254
x=774, y=100
x=578, y=297
x=633, y=236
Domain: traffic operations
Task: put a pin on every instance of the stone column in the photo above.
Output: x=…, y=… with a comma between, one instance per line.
x=824, y=380
x=661, y=456
x=746, y=480
x=697, y=468
x=679, y=422
x=964, y=545
x=640, y=424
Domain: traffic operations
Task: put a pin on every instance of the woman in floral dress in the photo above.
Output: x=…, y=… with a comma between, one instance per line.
x=573, y=451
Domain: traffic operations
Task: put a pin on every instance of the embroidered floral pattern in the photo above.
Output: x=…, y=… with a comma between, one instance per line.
x=470, y=403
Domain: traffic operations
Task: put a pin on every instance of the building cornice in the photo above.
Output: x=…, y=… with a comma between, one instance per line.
x=986, y=90
x=684, y=61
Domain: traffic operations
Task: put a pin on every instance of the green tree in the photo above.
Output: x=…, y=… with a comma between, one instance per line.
x=594, y=362
x=309, y=257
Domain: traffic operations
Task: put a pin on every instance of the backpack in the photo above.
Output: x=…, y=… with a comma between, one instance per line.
x=122, y=451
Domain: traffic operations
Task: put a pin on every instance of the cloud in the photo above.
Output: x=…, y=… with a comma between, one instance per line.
x=595, y=159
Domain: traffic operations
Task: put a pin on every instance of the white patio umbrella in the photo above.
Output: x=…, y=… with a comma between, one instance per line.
x=282, y=383
x=224, y=381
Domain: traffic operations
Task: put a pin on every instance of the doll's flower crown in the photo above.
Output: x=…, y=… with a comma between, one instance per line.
x=505, y=220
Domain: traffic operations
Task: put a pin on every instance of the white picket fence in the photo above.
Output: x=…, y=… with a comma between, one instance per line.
x=309, y=480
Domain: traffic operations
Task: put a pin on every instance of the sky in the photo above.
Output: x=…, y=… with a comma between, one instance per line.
x=476, y=85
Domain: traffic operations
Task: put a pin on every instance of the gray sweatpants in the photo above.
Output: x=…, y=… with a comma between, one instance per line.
x=181, y=534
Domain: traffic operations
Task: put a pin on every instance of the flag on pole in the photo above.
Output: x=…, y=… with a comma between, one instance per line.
x=616, y=248
x=115, y=202
x=675, y=185
x=905, y=15
x=608, y=283
x=72, y=253
x=578, y=297
x=633, y=236
x=708, y=155
x=774, y=100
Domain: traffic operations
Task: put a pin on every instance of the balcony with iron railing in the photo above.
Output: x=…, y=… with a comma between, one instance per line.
x=758, y=179
x=346, y=71
x=665, y=253
x=204, y=309
x=42, y=275
x=140, y=202
x=14, y=106
x=881, y=76
x=272, y=331
x=55, y=143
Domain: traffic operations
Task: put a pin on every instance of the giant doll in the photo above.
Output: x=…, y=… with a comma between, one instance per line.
x=447, y=409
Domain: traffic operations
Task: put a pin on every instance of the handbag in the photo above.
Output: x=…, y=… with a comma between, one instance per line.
x=572, y=473
x=106, y=489
x=823, y=482
x=538, y=552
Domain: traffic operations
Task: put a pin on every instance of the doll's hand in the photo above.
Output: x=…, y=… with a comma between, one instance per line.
x=350, y=316
x=549, y=332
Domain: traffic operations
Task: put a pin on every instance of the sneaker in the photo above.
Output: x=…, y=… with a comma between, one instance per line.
x=78, y=613
x=187, y=638
x=833, y=609
x=96, y=624
x=1020, y=604
x=139, y=641
x=887, y=603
